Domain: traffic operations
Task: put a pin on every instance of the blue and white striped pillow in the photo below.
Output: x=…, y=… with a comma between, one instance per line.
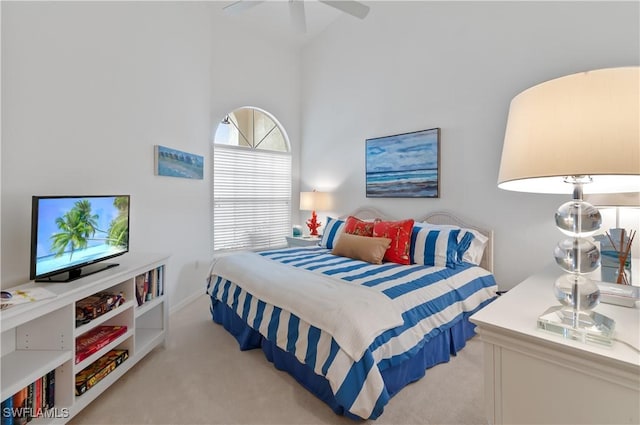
x=435, y=246
x=471, y=243
x=465, y=239
x=331, y=232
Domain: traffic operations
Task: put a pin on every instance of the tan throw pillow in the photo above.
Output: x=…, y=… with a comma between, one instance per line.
x=363, y=248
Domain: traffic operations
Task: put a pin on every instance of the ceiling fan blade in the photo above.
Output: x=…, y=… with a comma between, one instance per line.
x=296, y=10
x=351, y=7
x=240, y=6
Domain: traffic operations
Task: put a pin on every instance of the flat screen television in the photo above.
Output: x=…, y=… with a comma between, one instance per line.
x=71, y=236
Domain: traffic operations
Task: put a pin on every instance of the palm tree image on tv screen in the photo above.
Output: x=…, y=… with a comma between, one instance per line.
x=75, y=231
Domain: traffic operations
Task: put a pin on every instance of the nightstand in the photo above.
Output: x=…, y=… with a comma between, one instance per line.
x=533, y=376
x=302, y=241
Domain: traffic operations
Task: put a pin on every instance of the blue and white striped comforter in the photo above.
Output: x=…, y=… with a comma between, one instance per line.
x=432, y=300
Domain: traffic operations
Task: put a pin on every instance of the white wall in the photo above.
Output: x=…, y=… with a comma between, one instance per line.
x=456, y=65
x=89, y=88
x=251, y=68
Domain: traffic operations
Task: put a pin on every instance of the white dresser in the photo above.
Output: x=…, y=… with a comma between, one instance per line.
x=537, y=377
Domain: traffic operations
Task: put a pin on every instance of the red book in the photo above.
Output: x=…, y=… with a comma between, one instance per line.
x=97, y=338
x=38, y=395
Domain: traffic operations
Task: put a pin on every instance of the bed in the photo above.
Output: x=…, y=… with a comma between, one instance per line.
x=353, y=332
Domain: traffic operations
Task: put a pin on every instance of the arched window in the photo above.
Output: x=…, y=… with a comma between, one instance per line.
x=251, y=182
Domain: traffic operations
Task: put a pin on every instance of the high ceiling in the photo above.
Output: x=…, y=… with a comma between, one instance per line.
x=272, y=18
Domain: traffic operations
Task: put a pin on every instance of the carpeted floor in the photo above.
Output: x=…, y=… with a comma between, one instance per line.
x=201, y=377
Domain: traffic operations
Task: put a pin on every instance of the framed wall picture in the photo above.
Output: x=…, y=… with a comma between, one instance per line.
x=404, y=165
x=174, y=163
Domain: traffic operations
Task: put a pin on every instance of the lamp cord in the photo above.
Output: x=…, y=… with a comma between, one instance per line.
x=627, y=344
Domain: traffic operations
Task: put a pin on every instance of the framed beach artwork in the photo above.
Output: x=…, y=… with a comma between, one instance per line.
x=174, y=163
x=404, y=165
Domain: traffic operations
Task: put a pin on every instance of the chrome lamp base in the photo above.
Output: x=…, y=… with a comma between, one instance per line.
x=583, y=326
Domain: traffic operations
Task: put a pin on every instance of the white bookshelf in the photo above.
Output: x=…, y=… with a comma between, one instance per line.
x=39, y=337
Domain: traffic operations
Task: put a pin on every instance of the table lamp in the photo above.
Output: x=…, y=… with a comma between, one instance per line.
x=314, y=201
x=575, y=134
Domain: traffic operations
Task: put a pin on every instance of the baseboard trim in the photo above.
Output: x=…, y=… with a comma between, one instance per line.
x=185, y=302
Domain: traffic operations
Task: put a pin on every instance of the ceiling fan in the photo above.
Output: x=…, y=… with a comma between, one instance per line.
x=296, y=9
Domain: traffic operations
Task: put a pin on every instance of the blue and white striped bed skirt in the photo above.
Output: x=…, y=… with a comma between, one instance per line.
x=436, y=302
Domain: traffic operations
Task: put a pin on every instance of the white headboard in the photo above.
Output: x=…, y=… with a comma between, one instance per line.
x=438, y=217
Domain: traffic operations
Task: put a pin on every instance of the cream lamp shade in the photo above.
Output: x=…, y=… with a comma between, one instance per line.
x=314, y=201
x=585, y=124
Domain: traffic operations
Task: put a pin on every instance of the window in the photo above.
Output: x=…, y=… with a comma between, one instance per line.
x=251, y=182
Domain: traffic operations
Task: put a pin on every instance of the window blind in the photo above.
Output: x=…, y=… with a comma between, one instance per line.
x=251, y=198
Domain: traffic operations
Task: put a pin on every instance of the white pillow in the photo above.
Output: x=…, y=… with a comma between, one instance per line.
x=475, y=252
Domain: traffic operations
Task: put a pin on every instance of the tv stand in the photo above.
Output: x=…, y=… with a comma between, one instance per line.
x=40, y=338
x=77, y=273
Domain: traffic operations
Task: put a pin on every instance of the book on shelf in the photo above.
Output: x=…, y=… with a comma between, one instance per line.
x=98, y=370
x=140, y=292
x=50, y=389
x=154, y=283
x=20, y=406
x=157, y=287
x=31, y=396
x=95, y=339
x=149, y=285
x=29, y=402
x=160, y=280
x=96, y=305
x=6, y=409
x=38, y=394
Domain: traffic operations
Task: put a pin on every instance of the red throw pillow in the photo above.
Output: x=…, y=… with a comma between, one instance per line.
x=355, y=226
x=400, y=234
